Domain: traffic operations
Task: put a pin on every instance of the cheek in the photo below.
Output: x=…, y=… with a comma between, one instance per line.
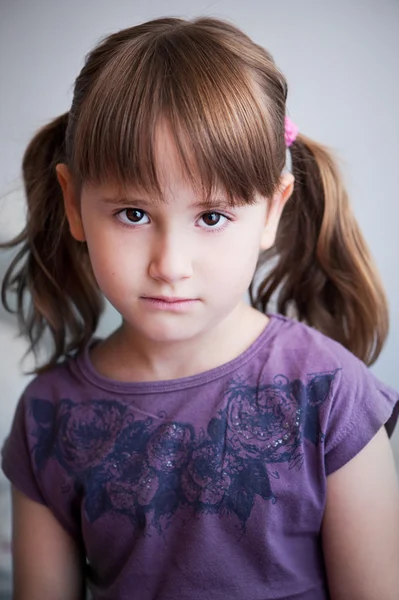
x=111, y=264
x=236, y=262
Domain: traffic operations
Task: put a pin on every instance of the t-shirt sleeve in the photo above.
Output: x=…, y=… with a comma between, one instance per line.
x=360, y=406
x=17, y=460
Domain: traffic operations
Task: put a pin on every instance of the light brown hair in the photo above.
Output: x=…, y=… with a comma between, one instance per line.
x=225, y=101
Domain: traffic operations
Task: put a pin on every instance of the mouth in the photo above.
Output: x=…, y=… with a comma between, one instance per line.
x=169, y=299
x=169, y=303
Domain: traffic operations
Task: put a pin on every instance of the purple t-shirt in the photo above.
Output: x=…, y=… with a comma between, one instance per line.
x=211, y=486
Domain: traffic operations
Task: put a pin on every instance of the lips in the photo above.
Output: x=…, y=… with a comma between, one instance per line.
x=169, y=299
x=176, y=304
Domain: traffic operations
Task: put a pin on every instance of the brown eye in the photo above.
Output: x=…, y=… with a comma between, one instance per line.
x=211, y=218
x=134, y=215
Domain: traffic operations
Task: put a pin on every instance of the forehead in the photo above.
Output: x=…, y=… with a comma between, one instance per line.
x=176, y=174
x=169, y=165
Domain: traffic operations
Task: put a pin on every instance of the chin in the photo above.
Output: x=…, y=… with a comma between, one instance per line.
x=166, y=332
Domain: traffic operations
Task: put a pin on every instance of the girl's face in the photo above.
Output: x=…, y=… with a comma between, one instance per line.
x=173, y=269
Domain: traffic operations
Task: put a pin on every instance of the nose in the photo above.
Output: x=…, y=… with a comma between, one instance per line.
x=170, y=259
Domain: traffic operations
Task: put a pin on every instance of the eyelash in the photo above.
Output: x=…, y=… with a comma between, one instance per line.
x=132, y=225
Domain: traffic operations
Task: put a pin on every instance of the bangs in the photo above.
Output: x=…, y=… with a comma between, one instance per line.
x=219, y=119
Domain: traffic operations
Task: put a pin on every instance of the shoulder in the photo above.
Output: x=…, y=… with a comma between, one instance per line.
x=49, y=393
x=62, y=380
x=303, y=349
x=339, y=396
x=308, y=344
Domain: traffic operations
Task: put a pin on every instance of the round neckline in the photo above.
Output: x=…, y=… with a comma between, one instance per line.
x=87, y=370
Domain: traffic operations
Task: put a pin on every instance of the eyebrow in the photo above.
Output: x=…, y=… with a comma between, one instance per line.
x=201, y=204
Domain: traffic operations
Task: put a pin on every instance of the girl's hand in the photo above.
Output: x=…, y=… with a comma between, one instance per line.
x=46, y=561
x=361, y=526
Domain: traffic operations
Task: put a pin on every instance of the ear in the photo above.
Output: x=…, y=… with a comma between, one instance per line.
x=71, y=202
x=275, y=209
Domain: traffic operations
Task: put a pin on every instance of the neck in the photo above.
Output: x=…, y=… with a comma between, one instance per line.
x=125, y=356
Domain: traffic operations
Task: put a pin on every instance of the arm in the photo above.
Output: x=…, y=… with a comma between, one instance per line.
x=361, y=526
x=46, y=562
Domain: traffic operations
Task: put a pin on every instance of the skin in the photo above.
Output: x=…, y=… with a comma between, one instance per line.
x=172, y=249
x=172, y=252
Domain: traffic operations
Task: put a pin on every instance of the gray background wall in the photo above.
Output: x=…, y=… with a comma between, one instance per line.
x=341, y=61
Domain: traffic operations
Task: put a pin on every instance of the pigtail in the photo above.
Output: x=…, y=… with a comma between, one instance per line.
x=324, y=274
x=50, y=265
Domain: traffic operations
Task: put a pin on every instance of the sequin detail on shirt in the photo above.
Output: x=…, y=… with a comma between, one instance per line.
x=149, y=469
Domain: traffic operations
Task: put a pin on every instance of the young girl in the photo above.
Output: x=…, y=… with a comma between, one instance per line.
x=204, y=450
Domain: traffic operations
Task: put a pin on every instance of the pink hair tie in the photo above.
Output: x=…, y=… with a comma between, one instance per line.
x=291, y=131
